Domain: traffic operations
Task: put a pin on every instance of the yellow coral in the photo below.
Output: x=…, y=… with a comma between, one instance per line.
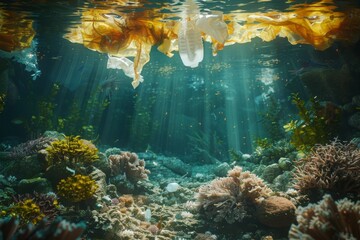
x=77, y=188
x=28, y=211
x=72, y=152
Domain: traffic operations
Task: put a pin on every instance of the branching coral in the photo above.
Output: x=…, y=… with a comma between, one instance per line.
x=231, y=198
x=129, y=164
x=77, y=188
x=333, y=168
x=71, y=152
x=327, y=220
x=45, y=230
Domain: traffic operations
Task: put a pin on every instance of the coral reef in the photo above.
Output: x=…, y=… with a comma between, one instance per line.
x=130, y=165
x=332, y=168
x=77, y=188
x=327, y=220
x=231, y=198
x=45, y=230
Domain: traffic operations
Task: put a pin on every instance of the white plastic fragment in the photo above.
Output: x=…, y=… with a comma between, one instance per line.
x=172, y=187
x=124, y=64
x=189, y=38
x=147, y=215
x=213, y=25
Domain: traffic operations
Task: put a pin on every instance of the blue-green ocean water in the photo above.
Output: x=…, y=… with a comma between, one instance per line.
x=222, y=100
x=232, y=107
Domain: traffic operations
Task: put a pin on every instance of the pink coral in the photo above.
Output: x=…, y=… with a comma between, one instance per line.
x=129, y=164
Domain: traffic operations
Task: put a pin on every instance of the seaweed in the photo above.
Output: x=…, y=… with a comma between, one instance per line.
x=316, y=123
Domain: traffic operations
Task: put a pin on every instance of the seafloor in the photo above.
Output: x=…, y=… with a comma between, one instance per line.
x=273, y=193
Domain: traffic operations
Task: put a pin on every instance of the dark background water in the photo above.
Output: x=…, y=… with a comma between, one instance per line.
x=221, y=105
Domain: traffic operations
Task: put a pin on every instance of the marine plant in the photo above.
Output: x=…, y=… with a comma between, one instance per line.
x=327, y=220
x=271, y=120
x=263, y=143
x=71, y=152
x=332, y=168
x=84, y=118
x=317, y=124
x=10, y=228
x=142, y=124
x=2, y=102
x=77, y=188
x=43, y=119
x=235, y=156
x=32, y=208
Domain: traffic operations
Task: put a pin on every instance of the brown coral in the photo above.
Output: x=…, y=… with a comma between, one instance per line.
x=129, y=164
x=327, y=220
x=231, y=198
x=332, y=168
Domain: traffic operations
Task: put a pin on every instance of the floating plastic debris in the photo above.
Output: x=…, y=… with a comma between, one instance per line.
x=126, y=65
x=127, y=35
